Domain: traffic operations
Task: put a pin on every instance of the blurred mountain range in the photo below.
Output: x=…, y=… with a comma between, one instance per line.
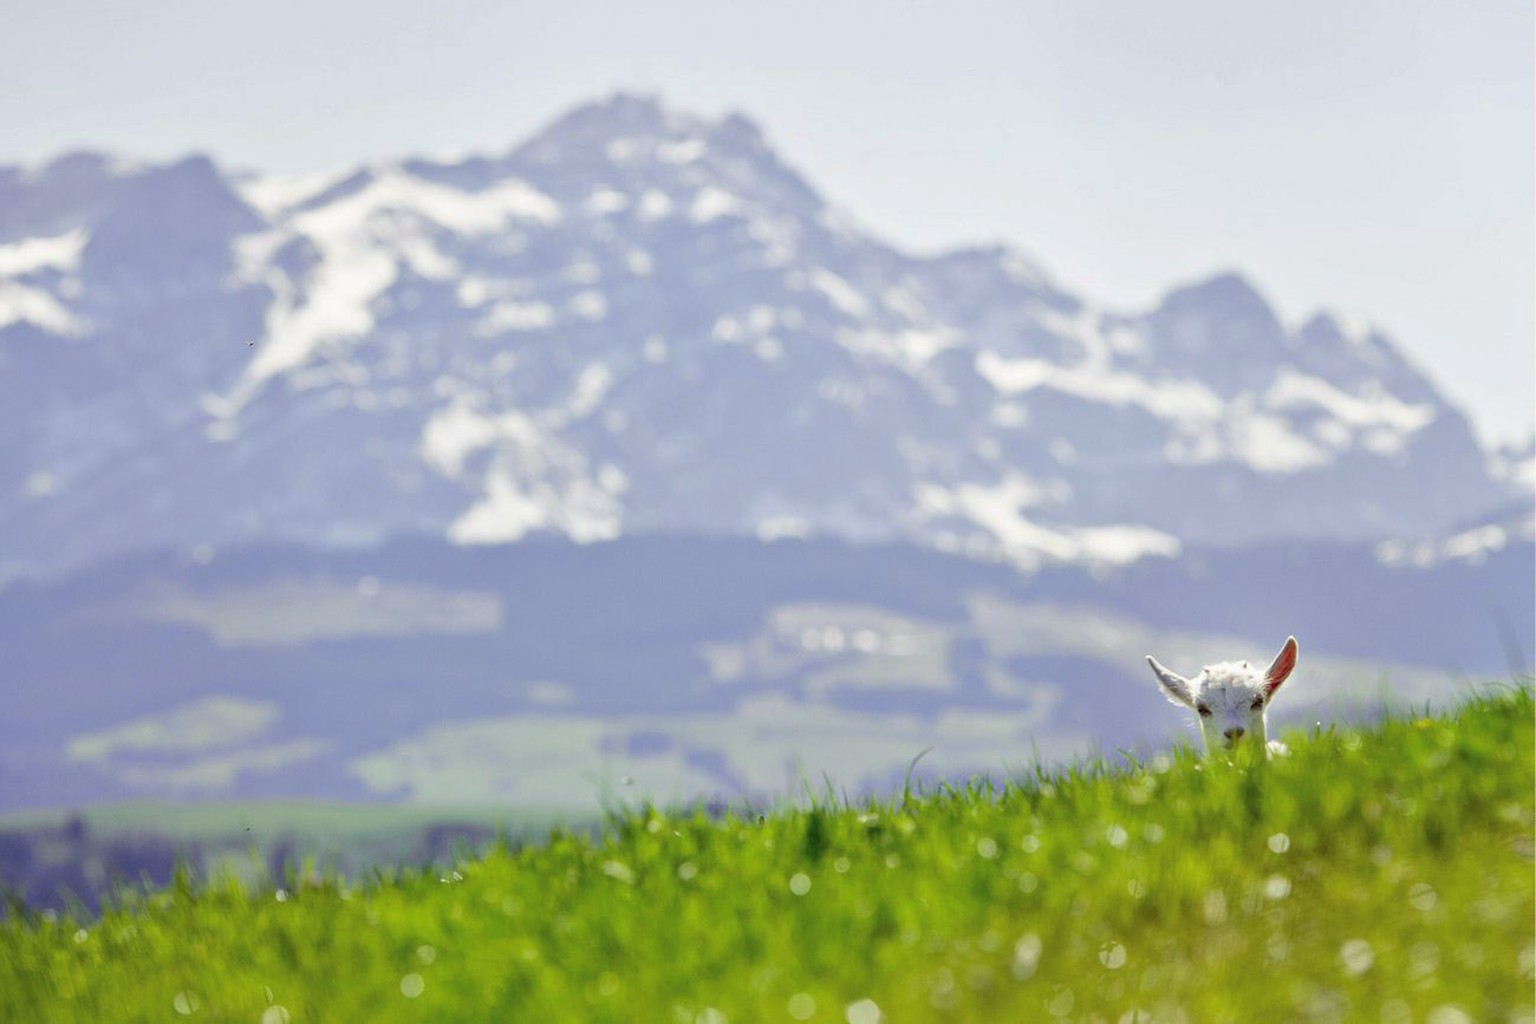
x=639, y=321
x=786, y=499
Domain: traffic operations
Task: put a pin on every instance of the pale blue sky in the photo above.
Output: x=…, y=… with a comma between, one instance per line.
x=1374, y=156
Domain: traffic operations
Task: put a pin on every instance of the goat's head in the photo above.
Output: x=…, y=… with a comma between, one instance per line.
x=1230, y=698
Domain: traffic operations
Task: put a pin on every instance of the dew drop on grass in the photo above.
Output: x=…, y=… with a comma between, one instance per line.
x=1357, y=957
x=281, y=895
x=800, y=884
x=802, y=1006
x=1112, y=955
x=1422, y=897
x=412, y=985
x=186, y=1003
x=1279, y=842
x=865, y=1011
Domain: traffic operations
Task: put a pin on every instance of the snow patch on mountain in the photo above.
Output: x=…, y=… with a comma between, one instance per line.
x=59, y=252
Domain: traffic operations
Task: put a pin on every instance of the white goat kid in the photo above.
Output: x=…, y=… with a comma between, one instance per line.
x=1231, y=699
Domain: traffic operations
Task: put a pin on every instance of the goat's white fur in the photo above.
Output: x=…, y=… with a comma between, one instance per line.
x=1230, y=698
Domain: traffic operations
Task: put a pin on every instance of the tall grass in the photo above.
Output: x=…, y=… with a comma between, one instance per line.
x=1383, y=874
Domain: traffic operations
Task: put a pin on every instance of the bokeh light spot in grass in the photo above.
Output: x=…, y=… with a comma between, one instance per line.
x=1112, y=955
x=942, y=989
x=1061, y=1001
x=864, y=1011
x=841, y=865
x=1278, y=947
x=1277, y=887
x=802, y=1006
x=1279, y=842
x=81, y=935
x=1527, y=962
x=1115, y=836
x=275, y=1015
x=1424, y=959
x=426, y=954
x=710, y=1015
x=1137, y=888
x=1422, y=897
x=281, y=895
x=412, y=985
x=1448, y=1014
x=1028, y=882
x=1214, y=907
x=186, y=1003
x=800, y=884
x=1030, y=843
x=1154, y=833
x=1026, y=956
x=687, y=871
x=986, y=847
x=619, y=871
x=1357, y=957
x=1395, y=1011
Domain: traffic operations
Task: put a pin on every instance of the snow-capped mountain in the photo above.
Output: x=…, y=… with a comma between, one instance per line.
x=641, y=320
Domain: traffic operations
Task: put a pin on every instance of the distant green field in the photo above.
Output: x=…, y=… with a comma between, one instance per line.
x=1383, y=874
x=312, y=823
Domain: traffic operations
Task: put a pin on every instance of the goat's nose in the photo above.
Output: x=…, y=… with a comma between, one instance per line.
x=1235, y=733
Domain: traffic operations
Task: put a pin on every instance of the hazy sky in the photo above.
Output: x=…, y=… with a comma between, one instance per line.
x=1374, y=156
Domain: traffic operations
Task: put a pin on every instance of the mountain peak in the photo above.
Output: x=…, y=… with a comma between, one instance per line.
x=594, y=125
x=1229, y=290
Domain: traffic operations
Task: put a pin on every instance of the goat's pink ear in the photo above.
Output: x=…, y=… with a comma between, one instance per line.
x=1175, y=687
x=1280, y=671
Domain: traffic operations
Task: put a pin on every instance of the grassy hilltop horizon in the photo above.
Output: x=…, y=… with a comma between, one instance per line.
x=1381, y=873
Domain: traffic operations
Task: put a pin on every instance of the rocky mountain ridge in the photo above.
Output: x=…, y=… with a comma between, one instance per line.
x=638, y=321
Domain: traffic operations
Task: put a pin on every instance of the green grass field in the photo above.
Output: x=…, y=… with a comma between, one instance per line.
x=1381, y=874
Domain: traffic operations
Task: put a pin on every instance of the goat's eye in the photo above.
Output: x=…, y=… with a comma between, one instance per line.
x=1205, y=712
x=1258, y=702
